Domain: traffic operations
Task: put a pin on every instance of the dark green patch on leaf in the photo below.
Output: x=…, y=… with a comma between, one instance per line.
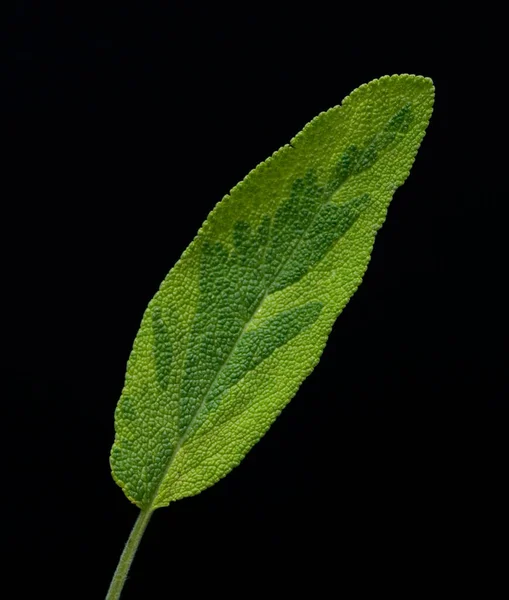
x=275, y=255
x=258, y=344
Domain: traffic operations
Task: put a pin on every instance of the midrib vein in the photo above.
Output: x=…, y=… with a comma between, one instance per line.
x=263, y=295
x=328, y=193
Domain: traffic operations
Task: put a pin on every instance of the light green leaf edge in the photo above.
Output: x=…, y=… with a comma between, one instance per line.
x=151, y=459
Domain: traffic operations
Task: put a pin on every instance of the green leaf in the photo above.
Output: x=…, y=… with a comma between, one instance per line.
x=244, y=315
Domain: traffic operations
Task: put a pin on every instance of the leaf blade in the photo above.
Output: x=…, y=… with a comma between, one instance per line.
x=297, y=232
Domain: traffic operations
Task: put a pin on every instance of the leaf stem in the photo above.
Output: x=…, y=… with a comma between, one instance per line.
x=120, y=575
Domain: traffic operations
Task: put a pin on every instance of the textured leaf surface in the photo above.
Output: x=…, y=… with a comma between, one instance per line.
x=244, y=315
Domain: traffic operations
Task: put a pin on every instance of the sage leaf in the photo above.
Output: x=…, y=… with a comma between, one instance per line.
x=244, y=315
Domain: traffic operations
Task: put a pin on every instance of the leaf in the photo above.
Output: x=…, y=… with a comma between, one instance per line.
x=244, y=315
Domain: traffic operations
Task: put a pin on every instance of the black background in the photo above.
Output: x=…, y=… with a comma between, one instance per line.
x=122, y=127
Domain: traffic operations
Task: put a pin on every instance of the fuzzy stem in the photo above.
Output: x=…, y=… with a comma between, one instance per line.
x=118, y=581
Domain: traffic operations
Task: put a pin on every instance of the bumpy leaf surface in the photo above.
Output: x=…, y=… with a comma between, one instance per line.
x=244, y=315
